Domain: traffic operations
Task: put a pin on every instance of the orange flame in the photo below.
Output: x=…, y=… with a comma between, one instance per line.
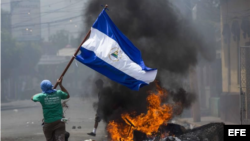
x=148, y=123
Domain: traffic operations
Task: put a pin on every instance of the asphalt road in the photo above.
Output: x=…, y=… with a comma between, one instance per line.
x=21, y=121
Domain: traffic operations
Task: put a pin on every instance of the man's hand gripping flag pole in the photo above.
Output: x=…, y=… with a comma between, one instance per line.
x=73, y=57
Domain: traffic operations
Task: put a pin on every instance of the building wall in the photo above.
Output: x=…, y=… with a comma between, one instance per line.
x=25, y=20
x=233, y=13
x=4, y=21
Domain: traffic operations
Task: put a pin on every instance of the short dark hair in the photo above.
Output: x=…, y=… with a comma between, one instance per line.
x=99, y=82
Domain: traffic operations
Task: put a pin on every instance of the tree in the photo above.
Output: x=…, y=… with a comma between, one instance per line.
x=75, y=42
x=10, y=52
x=5, y=21
x=30, y=55
x=60, y=39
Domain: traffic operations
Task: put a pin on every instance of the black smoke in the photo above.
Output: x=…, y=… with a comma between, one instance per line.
x=167, y=40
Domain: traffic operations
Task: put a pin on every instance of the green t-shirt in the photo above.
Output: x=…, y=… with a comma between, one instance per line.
x=51, y=103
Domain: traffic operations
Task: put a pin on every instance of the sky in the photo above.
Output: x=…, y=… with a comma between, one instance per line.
x=53, y=10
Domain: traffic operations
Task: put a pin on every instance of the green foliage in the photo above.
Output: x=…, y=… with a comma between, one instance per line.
x=30, y=54
x=5, y=21
x=9, y=54
x=60, y=39
x=16, y=55
x=207, y=24
x=74, y=42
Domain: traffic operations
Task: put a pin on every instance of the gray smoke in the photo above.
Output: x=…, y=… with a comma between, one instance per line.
x=167, y=40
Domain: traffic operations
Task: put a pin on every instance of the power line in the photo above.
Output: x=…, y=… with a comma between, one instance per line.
x=42, y=5
x=48, y=13
x=57, y=25
x=64, y=24
x=52, y=3
x=45, y=26
x=80, y=9
x=75, y=24
x=68, y=17
x=5, y=3
x=43, y=32
x=26, y=14
x=55, y=21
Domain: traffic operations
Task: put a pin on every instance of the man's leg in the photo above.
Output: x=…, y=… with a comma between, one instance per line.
x=66, y=135
x=59, y=133
x=48, y=131
x=97, y=120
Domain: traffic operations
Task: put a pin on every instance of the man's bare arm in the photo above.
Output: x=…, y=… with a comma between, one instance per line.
x=32, y=98
x=62, y=88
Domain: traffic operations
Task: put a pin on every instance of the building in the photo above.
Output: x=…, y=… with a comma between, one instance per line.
x=51, y=66
x=26, y=20
x=205, y=79
x=5, y=21
x=235, y=33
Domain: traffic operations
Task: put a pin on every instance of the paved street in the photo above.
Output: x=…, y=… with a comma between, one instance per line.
x=21, y=121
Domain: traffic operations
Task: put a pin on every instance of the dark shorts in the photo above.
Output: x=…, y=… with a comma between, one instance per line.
x=97, y=118
x=54, y=131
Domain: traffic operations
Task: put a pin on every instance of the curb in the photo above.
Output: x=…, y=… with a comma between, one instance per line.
x=192, y=124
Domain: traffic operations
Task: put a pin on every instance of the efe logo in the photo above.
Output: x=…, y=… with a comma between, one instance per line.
x=236, y=132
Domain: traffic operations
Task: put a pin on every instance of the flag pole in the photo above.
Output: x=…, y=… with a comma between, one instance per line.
x=71, y=60
x=73, y=57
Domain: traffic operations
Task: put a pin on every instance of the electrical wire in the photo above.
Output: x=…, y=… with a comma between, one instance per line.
x=48, y=13
x=42, y=5
x=54, y=21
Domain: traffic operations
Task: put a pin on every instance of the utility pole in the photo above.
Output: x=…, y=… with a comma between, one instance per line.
x=194, y=89
x=192, y=13
x=48, y=30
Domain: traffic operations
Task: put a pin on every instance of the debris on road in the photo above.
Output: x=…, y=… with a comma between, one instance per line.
x=89, y=140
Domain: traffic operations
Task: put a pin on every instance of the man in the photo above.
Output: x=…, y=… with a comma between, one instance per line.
x=50, y=99
x=99, y=85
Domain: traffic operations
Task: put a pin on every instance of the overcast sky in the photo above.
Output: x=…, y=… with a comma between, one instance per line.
x=52, y=10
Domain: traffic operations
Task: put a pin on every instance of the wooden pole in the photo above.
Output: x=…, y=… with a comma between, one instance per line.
x=106, y=6
x=71, y=60
x=196, y=105
x=73, y=57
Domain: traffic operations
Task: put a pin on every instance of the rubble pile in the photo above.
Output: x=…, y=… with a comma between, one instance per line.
x=175, y=132
x=208, y=132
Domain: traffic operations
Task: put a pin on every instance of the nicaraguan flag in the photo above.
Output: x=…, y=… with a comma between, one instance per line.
x=110, y=53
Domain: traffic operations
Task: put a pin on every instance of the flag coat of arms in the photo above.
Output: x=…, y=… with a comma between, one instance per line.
x=109, y=52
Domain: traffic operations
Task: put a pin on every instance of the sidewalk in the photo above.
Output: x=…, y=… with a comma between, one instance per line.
x=204, y=120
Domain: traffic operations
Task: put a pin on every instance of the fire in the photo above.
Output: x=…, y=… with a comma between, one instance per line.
x=147, y=123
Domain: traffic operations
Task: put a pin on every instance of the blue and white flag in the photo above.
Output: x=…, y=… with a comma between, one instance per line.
x=110, y=53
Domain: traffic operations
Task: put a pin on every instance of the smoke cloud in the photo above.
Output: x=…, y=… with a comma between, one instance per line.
x=167, y=40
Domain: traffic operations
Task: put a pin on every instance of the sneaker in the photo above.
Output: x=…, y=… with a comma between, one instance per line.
x=67, y=136
x=91, y=134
